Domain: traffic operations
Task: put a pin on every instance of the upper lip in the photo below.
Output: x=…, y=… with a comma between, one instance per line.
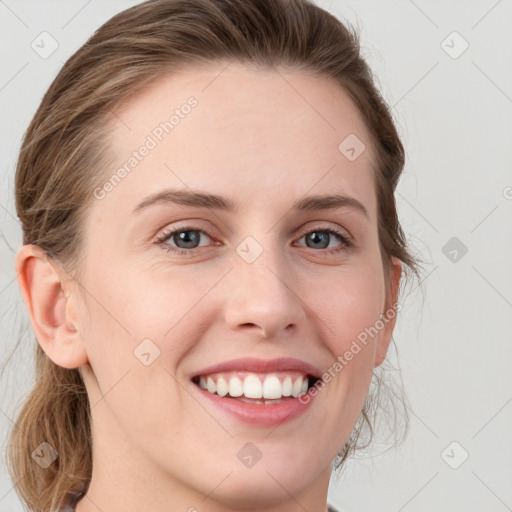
x=251, y=364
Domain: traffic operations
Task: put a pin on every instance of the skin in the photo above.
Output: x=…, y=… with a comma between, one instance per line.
x=263, y=139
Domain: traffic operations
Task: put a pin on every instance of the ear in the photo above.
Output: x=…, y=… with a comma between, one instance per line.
x=388, y=317
x=51, y=308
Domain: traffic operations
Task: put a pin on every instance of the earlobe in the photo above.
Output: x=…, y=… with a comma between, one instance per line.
x=50, y=307
x=388, y=317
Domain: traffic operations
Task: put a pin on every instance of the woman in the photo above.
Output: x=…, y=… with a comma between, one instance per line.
x=211, y=261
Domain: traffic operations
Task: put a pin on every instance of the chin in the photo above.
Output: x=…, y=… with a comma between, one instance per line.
x=242, y=490
x=276, y=475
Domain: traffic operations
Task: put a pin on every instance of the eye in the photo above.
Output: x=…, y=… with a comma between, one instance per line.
x=320, y=238
x=186, y=239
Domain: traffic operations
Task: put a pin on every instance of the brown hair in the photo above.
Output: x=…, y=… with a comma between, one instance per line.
x=64, y=150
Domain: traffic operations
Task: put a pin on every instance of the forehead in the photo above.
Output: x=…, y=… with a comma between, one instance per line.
x=261, y=133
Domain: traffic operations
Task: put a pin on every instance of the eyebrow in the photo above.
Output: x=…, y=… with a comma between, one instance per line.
x=216, y=202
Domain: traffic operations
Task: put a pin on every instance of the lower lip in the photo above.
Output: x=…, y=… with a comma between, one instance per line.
x=268, y=415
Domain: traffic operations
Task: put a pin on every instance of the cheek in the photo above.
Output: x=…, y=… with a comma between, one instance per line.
x=349, y=309
x=152, y=311
x=350, y=305
x=125, y=329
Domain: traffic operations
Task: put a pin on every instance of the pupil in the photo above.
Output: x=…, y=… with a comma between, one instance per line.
x=317, y=236
x=187, y=239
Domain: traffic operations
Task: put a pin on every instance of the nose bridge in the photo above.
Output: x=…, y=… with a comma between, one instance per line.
x=261, y=293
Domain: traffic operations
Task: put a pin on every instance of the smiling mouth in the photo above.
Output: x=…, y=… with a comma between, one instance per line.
x=254, y=388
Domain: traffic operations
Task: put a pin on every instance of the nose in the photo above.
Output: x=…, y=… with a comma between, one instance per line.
x=263, y=297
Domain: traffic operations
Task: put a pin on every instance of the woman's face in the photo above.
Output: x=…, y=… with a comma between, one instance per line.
x=258, y=273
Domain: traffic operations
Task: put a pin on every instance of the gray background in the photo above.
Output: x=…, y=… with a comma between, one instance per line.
x=454, y=112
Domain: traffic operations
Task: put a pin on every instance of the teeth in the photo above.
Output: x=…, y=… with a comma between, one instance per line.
x=287, y=386
x=210, y=385
x=253, y=387
x=222, y=387
x=297, y=386
x=272, y=388
x=236, y=387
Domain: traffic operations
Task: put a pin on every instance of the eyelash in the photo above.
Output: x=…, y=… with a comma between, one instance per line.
x=344, y=238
